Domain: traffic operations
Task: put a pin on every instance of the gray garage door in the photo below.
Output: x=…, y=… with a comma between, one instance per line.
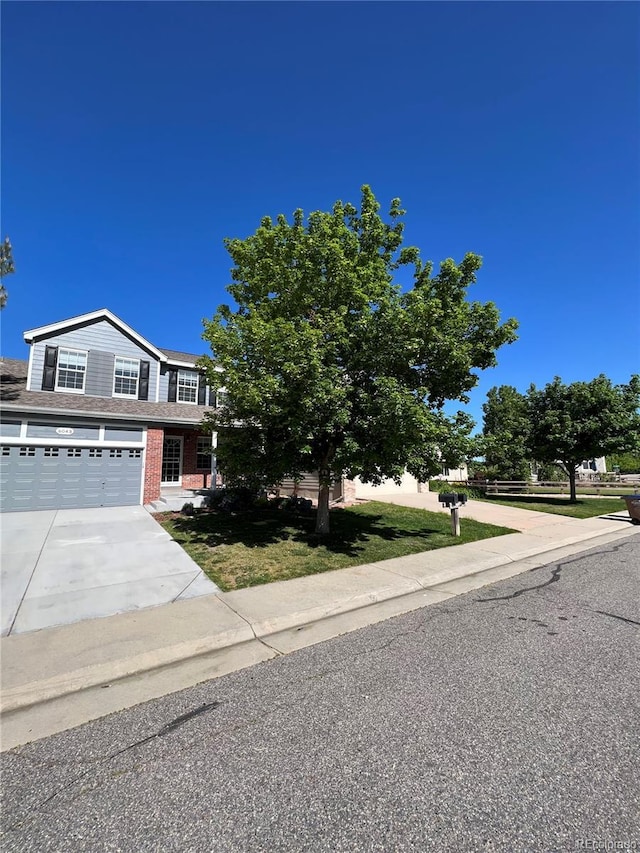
x=68, y=477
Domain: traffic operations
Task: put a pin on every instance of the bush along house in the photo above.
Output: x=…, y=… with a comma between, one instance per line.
x=99, y=416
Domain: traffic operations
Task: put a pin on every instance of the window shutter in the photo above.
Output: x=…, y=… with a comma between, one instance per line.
x=143, y=384
x=202, y=390
x=49, y=372
x=173, y=386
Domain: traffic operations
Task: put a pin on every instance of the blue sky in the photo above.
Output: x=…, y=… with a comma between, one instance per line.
x=136, y=136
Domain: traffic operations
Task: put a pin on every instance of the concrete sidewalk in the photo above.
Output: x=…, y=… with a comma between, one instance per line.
x=57, y=678
x=484, y=511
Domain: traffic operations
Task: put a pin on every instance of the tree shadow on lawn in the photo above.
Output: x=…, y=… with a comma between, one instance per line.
x=259, y=529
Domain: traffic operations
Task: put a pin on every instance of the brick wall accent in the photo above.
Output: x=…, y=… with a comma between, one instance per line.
x=191, y=477
x=153, y=465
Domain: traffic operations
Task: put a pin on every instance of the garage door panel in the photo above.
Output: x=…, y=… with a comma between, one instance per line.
x=68, y=478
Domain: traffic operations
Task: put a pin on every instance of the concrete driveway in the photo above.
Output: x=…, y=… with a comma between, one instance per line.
x=62, y=566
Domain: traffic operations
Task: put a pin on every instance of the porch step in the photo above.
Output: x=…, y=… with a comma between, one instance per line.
x=175, y=499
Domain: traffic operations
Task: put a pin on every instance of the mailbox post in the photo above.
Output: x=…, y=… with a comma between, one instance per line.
x=454, y=501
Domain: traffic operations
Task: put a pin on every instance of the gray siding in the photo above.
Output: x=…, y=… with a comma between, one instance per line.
x=42, y=429
x=10, y=428
x=99, y=382
x=120, y=433
x=105, y=339
x=163, y=393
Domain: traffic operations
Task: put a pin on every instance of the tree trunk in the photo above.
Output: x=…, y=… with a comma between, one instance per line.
x=572, y=483
x=322, y=515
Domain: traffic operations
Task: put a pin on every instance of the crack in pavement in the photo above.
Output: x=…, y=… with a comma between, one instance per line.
x=614, y=616
x=555, y=576
x=168, y=728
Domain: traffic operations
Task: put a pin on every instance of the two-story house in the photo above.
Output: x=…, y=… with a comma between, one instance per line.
x=99, y=416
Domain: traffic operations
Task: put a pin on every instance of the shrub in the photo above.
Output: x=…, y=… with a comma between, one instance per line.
x=463, y=489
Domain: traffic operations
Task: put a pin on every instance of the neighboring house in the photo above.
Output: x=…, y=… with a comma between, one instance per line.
x=408, y=485
x=588, y=468
x=99, y=416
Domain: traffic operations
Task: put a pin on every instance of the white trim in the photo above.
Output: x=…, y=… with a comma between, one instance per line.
x=144, y=466
x=197, y=387
x=173, y=362
x=101, y=314
x=214, y=460
x=58, y=441
x=113, y=387
x=101, y=441
x=30, y=369
x=63, y=388
x=177, y=482
x=157, y=400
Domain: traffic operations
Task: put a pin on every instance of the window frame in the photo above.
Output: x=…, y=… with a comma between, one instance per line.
x=57, y=386
x=115, y=377
x=199, y=454
x=191, y=374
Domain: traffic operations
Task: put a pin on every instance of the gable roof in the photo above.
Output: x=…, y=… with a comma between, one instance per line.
x=101, y=314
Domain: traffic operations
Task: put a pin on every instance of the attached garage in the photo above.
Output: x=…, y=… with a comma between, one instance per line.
x=56, y=477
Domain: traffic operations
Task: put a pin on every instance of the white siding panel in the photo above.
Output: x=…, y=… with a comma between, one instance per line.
x=408, y=486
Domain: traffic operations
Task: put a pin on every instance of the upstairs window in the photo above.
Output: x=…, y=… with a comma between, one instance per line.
x=72, y=370
x=126, y=376
x=187, y=386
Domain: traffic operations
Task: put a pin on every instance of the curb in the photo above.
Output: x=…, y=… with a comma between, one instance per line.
x=262, y=640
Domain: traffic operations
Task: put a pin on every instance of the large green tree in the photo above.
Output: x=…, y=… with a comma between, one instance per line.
x=505, y=434
x=6, y=268
x=330, y=366
x=583, y=420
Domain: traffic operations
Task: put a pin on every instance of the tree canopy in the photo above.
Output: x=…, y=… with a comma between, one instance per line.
x=330, y=365
x=6, y=268
x=505, y=435
x=583, y=420
x=561, y=424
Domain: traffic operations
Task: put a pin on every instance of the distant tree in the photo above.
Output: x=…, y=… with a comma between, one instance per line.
x=330, y=367
x=626, y=463
x=583, y=420
x=505, y=434
x=6, y=268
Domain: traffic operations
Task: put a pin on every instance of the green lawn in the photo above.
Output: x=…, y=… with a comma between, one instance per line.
x=585, y=508
x=263, y=545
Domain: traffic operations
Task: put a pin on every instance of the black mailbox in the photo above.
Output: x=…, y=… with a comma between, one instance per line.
x=448, y=498
x=462, y=498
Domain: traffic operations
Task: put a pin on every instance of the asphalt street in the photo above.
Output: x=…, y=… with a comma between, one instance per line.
x=505, y=719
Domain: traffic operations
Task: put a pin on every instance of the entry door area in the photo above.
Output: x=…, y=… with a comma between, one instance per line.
x=172, y=460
